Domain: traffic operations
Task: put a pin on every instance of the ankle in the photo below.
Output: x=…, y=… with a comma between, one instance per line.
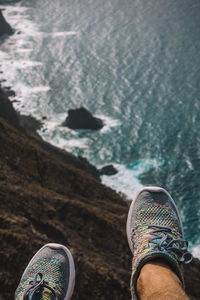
x=156, y=280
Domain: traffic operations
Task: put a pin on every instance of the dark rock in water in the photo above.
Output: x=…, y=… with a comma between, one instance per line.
x=108, y=170
x=81, y=118
x=9, y=91
x=4, y=26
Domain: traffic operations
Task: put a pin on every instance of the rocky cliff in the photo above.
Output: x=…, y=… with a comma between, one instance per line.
x=45, y=197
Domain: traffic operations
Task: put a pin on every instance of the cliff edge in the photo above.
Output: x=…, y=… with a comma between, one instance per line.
x=44, y=198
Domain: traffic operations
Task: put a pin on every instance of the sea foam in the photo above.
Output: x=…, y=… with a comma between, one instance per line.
x=127, y=180
x=196, y=251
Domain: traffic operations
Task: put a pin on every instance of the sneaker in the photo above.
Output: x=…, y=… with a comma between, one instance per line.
x=50, y=275
x=154, y=230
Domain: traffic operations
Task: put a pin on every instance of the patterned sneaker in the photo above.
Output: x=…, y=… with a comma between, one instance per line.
x=50, y=275
x=154, y=230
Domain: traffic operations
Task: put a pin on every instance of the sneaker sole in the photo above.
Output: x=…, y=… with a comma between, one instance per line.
x=71, y=267
x=147, y=189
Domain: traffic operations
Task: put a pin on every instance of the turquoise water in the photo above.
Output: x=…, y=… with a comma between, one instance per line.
x=135, y=64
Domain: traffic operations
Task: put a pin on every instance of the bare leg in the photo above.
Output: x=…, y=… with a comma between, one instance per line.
x=158, y=281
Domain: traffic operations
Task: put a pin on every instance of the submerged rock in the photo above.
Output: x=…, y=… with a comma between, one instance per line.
x=81, y=118
x=108, y=170
x=4, y=26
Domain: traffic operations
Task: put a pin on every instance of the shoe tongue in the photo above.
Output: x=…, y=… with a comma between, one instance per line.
x=45, y=295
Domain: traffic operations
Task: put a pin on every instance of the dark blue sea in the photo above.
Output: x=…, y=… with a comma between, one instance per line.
x=133, y=63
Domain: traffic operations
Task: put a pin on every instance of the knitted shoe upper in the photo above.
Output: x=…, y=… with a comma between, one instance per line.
x=53, y=266
x=154, y=230
x=155, y=208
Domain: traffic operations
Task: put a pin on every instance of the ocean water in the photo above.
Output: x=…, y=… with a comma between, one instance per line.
x=133, y=63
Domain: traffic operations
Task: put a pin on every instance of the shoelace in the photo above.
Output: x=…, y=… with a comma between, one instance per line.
x=167, y=243
x=37, y=286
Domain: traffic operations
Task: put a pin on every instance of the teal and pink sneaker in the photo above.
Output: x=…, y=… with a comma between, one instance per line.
x=50, y=275
x=154, y=230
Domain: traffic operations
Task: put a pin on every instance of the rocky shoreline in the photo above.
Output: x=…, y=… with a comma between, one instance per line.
x=49, y=195
x=29, y=125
